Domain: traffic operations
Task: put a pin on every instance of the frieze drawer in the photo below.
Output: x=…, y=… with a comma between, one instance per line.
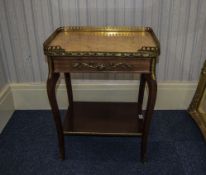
x=94, y=65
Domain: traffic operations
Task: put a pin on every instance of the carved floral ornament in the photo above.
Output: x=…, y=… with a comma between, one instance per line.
x=102, y=66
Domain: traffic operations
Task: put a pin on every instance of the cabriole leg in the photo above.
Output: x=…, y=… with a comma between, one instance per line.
x=141, y=95
x=70, y=97
x=152, y=86
x=51, y=91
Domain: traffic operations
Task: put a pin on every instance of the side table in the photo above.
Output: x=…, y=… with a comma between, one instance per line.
x=103, y=49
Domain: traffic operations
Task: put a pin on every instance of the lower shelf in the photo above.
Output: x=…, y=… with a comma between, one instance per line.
x=101, y=118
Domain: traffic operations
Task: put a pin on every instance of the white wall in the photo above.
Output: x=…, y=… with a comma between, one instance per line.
x=179, y=24
x=3, y=77
x=6, y=98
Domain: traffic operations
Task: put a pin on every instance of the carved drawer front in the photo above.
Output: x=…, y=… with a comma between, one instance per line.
x=101, y=65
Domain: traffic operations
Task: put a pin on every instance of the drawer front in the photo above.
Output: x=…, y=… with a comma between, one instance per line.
x=103, y=65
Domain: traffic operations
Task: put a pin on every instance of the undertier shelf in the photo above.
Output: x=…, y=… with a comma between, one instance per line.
x=103, y=118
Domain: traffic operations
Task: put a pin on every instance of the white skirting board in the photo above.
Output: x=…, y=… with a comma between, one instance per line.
x=30, y=96
x=6, y=106
x=170, y=96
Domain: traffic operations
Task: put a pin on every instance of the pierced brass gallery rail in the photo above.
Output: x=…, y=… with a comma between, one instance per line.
x=102, y=66
x=144, y=52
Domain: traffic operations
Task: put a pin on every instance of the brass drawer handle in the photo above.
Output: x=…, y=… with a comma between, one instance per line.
x=102, y=66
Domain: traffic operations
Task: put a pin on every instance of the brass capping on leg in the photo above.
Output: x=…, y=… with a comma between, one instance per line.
x=50, y=66
x=153, y=68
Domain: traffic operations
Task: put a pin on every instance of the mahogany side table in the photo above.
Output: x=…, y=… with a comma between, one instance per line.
x=103, y=49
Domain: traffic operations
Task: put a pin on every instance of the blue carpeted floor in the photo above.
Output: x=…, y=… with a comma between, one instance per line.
x=28, y=146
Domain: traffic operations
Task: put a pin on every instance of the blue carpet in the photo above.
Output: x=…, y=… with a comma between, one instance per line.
x=28, y=146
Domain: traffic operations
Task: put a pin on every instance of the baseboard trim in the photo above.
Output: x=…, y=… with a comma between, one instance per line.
x=171, y=95
x=6, y=106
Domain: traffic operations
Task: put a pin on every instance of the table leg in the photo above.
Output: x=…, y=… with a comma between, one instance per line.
x=51, y=91
x=141, y=94
x=152, y=86
x=70, y=96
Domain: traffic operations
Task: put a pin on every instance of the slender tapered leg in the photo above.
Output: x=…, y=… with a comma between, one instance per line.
x=70, y=98
x=69, y=90
x=51, y=91
x=141, y=94
x=152, y=86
